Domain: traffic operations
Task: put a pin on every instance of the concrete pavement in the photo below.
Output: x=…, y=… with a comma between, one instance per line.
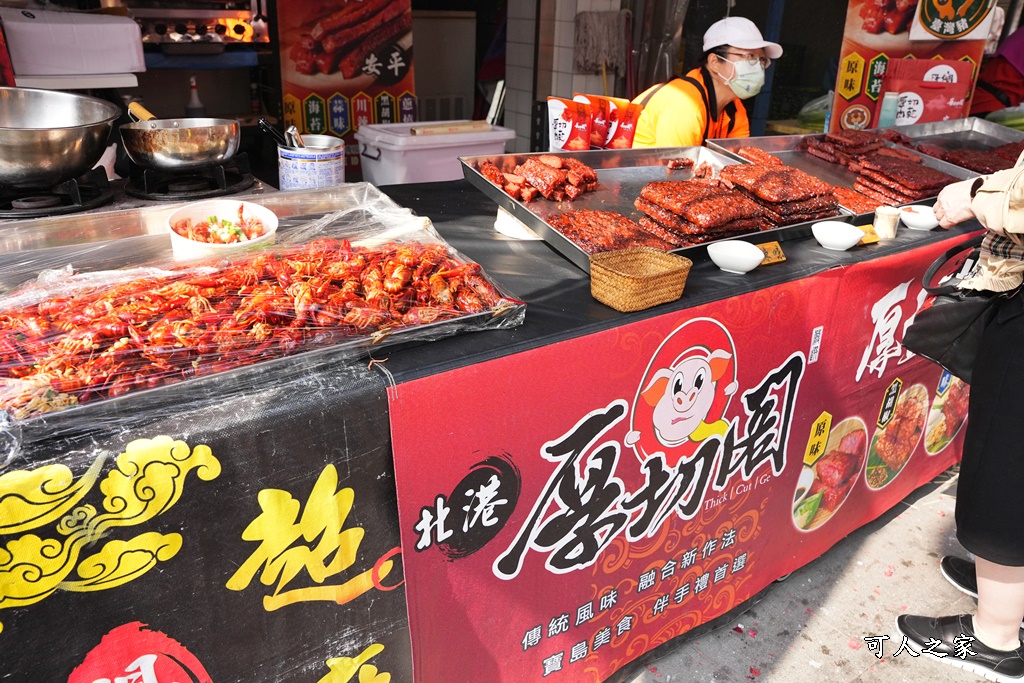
x=811, y=627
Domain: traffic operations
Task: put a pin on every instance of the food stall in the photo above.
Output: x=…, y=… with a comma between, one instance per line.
x=501, y=493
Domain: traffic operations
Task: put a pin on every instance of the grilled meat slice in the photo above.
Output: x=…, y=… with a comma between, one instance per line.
x=775, y=183
x=759, y=156
x=543, y=177
x=597, y=231
x=906, y=173
x=854, y=201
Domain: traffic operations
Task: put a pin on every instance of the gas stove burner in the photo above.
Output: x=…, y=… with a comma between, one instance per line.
x=230, y=177
x=86, y=192
x=40, y=202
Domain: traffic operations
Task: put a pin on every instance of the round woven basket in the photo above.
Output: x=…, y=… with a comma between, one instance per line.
x=637, y=278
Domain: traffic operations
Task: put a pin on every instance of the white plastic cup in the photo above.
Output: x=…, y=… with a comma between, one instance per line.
x=321, y=163
x=886, y=220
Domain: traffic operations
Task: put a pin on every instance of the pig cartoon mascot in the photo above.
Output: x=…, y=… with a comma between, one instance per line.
x=685, y=391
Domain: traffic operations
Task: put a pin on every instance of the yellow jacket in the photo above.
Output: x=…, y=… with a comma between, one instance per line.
x=684, y=113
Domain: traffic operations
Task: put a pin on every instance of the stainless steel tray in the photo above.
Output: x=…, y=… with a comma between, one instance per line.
x=970, y=132
x=621, y=174
x=789, y=148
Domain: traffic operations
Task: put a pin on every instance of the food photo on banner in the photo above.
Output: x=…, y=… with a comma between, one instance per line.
x=878, y=33
x=733, y=443
x=344, y=65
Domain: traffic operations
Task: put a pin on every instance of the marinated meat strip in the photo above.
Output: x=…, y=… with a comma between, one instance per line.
x=679, y=163
x=900, y=436
x=850, y=140
x=597, y=231
x=775, y=183
x=704, y=202
x=825, y=202
x=877, y=196
x=344, y=36
x=542, y=176
x=493, y=173
x=875, y=178
x=855, y=201
x=908, y=174
x=682, y=226
x=931, y=150
x=778, y=220
x=662, y=232
x=759, y=156
x=579, y=174
x=1010, y=151
x=821, y=154
x=552, y=161
x=888, y=190
x=704, y=170
x=899, y=153
x=982, y=161
x=648, y=223
x=896, y=137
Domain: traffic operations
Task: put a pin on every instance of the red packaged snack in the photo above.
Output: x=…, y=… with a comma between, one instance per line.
x=568, y=125
x=600, y=118
x=624, y=121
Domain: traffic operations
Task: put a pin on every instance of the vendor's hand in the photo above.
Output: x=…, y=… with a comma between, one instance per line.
x=953, y=204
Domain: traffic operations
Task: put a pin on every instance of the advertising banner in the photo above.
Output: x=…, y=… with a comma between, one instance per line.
x=567, y=509
x=877, y=32
x=345, y=64
x=250, y=540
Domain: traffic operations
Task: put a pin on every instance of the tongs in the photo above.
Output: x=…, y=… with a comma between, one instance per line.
x=293, y=137
x=272, y=132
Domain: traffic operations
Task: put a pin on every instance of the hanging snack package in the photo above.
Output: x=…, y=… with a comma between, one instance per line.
x=624, y=115
x=600, y=119
x=568, y=125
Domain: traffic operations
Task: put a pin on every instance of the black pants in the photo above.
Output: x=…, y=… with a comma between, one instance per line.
x=990, y=491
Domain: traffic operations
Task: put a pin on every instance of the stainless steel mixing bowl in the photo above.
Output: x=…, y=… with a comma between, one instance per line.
x=173, y=144
x=47, y=137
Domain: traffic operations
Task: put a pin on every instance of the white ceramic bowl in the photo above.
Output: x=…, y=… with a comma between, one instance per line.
x=918, y=217
x=226, y=209
x=735, y=256
x=836, y=234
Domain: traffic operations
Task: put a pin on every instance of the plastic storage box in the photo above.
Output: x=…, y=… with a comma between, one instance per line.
x=391, y=155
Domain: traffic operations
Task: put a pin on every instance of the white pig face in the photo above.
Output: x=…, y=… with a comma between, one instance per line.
x=686, y=402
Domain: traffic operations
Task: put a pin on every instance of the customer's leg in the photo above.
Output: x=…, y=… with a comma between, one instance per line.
x=1000, y=604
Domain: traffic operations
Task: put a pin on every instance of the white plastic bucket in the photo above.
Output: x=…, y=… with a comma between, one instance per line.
x=321, y=163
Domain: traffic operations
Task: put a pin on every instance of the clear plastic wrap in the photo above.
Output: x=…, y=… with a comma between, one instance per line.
x=367, y=272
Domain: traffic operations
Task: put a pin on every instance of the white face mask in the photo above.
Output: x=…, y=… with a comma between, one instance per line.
x=747, y=79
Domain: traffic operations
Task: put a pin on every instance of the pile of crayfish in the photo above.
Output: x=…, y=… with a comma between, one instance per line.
x=148, y=332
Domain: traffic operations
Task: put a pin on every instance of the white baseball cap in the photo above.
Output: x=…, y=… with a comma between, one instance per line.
x=739, y=32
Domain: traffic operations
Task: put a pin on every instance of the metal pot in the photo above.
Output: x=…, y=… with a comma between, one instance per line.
x=47, y=137
x=173, y=144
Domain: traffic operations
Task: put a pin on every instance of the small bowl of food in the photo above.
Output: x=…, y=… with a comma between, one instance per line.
x=918, y=217
x=836, y=235
x=735, y=256
x=219, y=227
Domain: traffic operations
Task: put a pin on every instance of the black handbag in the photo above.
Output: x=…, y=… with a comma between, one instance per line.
x=949, y=332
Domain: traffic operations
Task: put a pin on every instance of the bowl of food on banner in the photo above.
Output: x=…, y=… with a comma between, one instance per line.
x=220, y=227
x=833, y=475
x=947, y=416
x=735, y=256
x=836, y=235
x=918, y=217
x=893, y=444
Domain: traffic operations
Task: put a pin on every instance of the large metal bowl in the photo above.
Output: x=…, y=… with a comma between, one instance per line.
x=172, y=144
x=47, y=137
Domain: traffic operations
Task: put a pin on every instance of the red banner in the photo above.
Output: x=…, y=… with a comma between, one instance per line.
x=567, y=509
x=345, y=64
x=879, y=31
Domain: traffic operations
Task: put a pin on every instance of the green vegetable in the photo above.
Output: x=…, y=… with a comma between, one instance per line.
x=804, y=512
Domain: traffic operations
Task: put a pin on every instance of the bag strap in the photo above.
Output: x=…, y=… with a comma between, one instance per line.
x=950, y=286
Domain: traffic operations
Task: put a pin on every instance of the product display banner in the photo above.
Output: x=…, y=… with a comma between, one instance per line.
x=567, y=509
x=346, y=64
x=252, y=539
x=878, y=31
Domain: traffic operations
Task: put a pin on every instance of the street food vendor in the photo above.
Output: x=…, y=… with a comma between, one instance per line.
x=706, y=102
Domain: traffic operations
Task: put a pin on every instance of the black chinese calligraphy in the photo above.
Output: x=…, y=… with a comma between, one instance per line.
x=478, y=508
